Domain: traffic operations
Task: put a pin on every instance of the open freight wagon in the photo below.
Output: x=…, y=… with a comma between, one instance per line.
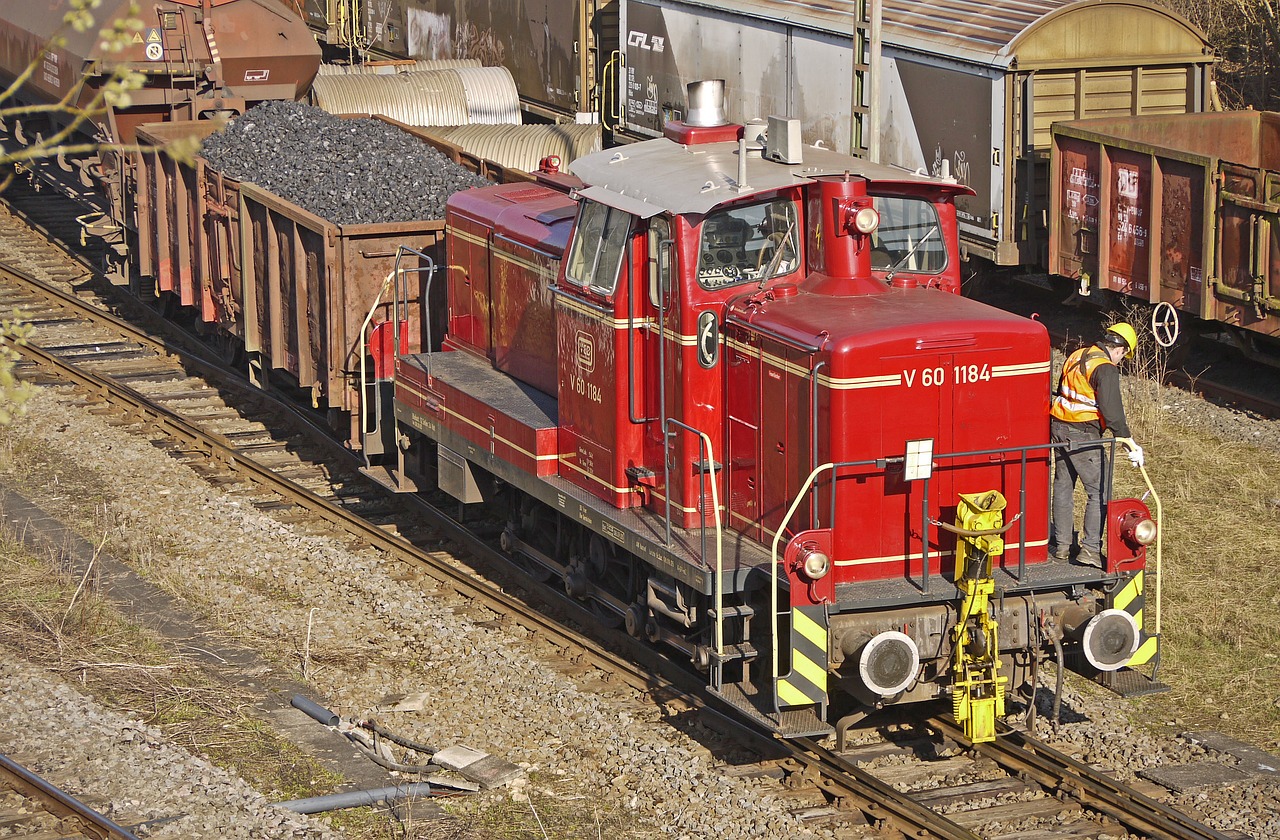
x=292, y=289
x=1179, y=209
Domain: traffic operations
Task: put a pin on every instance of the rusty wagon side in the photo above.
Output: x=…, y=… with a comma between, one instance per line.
x=1178, y=209
x=298, y=292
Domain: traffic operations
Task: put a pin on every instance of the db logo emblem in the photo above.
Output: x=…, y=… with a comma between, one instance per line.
x=708, y=339
x=586, y=355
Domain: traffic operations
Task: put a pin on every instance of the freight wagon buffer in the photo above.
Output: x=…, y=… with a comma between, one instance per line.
x=734, y=405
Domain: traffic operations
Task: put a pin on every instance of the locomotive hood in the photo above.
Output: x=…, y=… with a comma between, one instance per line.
x=895, y=321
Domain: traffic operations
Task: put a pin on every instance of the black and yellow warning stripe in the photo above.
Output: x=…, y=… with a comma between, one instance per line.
x=807, y=682
x=1132, y=599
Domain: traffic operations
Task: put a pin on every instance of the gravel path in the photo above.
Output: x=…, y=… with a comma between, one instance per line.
x=377, y=632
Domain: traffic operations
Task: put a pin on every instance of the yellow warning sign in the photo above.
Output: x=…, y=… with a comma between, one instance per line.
x=153, y=35
x=137, y=37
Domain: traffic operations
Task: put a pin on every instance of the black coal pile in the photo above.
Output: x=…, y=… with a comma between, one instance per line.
x=348, y=171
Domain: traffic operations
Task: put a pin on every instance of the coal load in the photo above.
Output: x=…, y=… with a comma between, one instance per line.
x=348, y=171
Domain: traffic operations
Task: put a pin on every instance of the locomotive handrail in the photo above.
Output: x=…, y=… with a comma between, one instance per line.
x=707, y=455
x=1021, y=451
x=773, y=556
x=400, y=299
x=1142, y=468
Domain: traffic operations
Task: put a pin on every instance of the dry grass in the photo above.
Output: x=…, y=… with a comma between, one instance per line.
x=54, y=617
x=547, y=809
x=128, y=669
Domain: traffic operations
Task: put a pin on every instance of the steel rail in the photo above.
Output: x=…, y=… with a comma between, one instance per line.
x=877, y=799
x=225, y=454
x=60, y=803
x=127, y=329
x=1020, y=753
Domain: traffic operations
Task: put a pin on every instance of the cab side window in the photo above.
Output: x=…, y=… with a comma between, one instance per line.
x=659, y=260
x=599, y=241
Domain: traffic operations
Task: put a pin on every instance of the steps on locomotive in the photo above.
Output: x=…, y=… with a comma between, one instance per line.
x=1128, y=682
x=791, y=723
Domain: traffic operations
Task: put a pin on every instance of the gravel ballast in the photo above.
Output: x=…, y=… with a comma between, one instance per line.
x=373, y=632
x=347, y=170
x=128, y=771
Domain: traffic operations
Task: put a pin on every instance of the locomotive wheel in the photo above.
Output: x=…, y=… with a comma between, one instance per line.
x=610, y=574
x=537, y=527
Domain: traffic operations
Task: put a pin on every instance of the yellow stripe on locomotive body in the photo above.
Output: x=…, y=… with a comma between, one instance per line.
x=1131, y=598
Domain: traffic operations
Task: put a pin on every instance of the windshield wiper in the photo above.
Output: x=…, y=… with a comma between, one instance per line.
x=893, y=269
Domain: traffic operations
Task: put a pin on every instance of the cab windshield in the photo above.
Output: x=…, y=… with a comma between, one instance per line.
x=749, y=244
x=909, y=238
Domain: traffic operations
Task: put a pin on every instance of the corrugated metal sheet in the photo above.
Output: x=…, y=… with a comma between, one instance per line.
x=523, y=147
x=985, y=31
x=492, y=97
x=456, y=96
x=382, y=68
x=992, y=31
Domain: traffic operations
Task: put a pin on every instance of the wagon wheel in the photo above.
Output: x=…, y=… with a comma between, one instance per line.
x=1164, y=324
x=230, y=349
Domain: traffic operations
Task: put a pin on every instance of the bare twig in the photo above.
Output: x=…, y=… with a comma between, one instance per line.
x=83, y=579
x=541, y=827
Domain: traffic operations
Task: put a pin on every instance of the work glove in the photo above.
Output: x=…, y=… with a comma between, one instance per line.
x=1133, y=451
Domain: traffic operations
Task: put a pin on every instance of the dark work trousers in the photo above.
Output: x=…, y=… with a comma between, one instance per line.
x=1083, y=465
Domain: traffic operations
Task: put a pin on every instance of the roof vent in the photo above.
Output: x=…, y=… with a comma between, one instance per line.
x=706, y=103
x=782, y=143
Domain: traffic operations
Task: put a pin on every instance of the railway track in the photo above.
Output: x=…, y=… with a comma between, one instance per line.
x=32, y=808
x=260, y=448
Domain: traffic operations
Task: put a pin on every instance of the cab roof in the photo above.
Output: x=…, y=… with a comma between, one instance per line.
x=660, y=175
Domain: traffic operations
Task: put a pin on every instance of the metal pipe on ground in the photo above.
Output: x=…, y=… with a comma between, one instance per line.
x=357, y=798
x=314, y=710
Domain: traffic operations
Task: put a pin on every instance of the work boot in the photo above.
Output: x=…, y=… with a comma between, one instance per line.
x=1060, y=553
x=1089, y=557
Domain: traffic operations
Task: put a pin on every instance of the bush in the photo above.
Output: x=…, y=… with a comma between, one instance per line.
x=1246, y=36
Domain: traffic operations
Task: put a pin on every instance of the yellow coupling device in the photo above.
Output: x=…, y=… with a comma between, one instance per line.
x=978, y=688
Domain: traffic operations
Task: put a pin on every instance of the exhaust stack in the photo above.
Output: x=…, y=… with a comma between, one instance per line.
x=705, y=121
x=706, y=103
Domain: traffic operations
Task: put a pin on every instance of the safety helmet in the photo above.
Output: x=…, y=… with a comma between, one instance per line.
x=1121, y=335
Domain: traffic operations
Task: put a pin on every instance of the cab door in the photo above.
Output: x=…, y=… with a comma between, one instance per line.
x=653, y=311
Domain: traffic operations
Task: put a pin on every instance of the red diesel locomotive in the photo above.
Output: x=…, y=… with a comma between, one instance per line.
x=729, y=394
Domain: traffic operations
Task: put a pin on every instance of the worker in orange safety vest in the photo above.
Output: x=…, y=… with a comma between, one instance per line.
x=1087, y=402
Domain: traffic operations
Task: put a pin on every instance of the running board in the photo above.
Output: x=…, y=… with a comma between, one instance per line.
x=802, y=722
x=1128, y=682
